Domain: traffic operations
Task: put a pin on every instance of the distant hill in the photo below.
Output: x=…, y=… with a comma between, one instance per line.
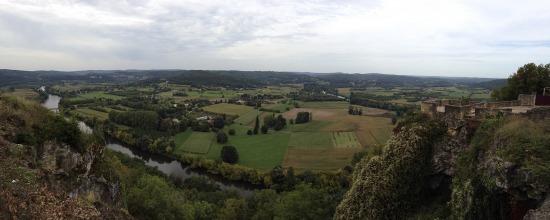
x=242, y=79
x=493, y=84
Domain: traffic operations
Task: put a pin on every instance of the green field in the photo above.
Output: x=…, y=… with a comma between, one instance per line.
x=319, y=158
x=345, y=139
x=280, y=107
x=262, y=151
x=180, y=138
x=198, y=142
x=326, y=105
x=323, y=126
x=229, y=109
x=249, y=117
x=92, y=113
x=99, y=95
x=311, y=139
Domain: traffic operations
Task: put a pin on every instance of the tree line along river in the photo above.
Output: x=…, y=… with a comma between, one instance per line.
x=163, y=163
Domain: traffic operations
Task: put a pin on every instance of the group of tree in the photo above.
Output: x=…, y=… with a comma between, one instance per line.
x=365, y=99
x=303, y=117
x=147, y=120
x=355, y=111
x=528, y=79
x=276, y=122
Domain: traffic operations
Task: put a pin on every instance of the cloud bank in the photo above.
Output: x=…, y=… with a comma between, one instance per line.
x=424, y=37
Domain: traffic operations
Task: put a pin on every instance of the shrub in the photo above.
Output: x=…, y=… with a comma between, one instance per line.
x=221, y=137
x=232, y=131
x=229, y=154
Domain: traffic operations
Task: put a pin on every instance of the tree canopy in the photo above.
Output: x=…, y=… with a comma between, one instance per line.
x=229, y=154
x=530, y=78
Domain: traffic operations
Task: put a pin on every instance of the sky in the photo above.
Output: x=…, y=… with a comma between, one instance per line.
x=470, y=38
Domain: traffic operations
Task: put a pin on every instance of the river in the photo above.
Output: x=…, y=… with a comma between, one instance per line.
x=163, y=163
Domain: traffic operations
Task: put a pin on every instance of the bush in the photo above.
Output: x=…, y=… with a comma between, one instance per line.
x=229, y=154
x=232, y=131
x=221, y=137
x=264, y=129
x=249, y=132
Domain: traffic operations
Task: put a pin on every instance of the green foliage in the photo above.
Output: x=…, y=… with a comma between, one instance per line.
x=256, y=125
x=530, y=78
x=358, y=156
x=264, y=129
x=55, y=127
x=231, y=131
x=524, y=142
x=263, y=202
x=305, y=202
x=221, y=137
x=229, y=154
x=483, y=138
x=355, y=111
x=388, y=186
x=303, y=117
x=218, y=123
x=147, y=120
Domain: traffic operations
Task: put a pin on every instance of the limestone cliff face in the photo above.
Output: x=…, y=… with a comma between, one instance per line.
x=69, y=171
x=50, y=179
x=485, y=184
x=57, y=184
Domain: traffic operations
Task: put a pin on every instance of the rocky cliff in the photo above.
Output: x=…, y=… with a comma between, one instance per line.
x=50, y=179
x=479, y=169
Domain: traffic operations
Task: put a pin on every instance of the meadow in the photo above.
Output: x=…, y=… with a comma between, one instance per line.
x=228, y=109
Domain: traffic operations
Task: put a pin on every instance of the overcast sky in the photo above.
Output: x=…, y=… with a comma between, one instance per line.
x=489, y=38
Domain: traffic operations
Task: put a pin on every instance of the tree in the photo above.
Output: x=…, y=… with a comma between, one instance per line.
x=393, y=119
x=234, y=209
x=256, y=125
x=229, y=154
x=221, y=137
x=302, y=117
x=280, y=123
x=218, y=122
x=264, y=129
x=270, y=120
x=528, y=79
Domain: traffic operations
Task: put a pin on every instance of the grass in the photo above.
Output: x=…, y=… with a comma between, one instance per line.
x=262, y=151
x=310, y=139
x=198, y=142
x=25, y=93
x=281, y=107
x=229, y=109
x=99, y=95
x=345, y=139
x=180, y=138
x=92, y=113
x=249, y=117
x=319, y=158
x=327, y=105
x=323, y=126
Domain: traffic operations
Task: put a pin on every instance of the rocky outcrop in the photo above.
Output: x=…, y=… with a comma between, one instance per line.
x=514, y=179
x=68, y=170
x=61, y=159
x=541, y=213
